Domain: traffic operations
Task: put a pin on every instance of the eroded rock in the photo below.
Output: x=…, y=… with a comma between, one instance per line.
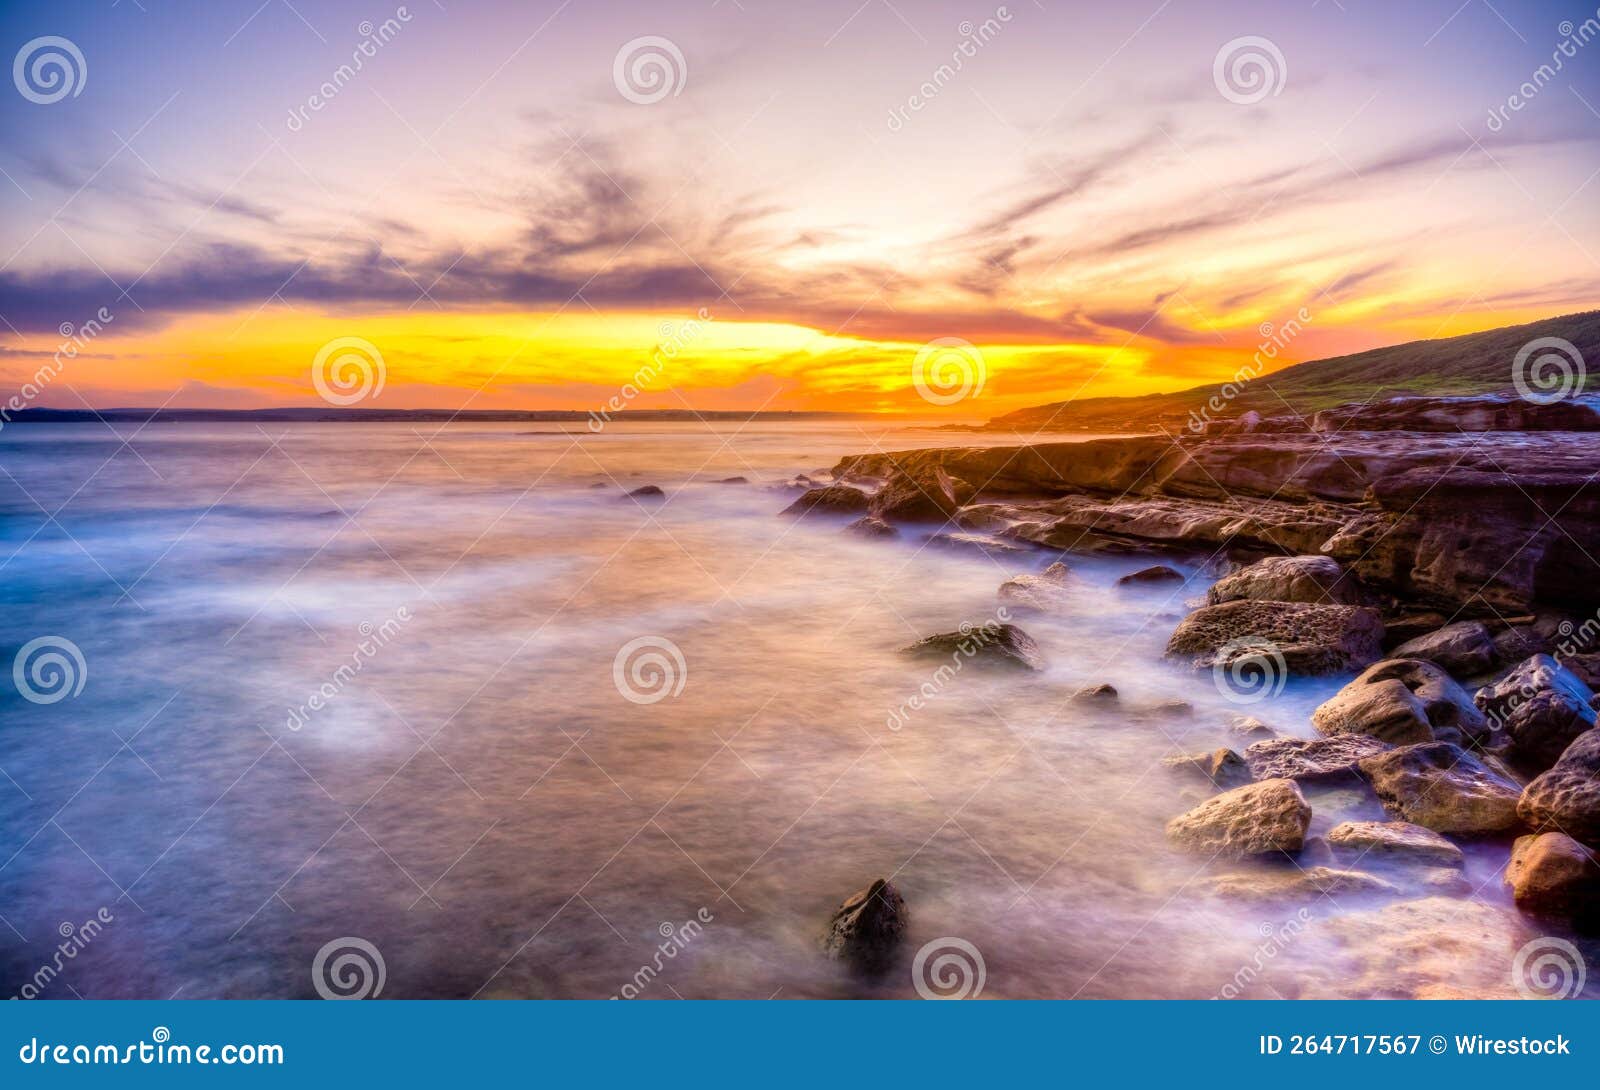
x=1394, y=839
x=1553, y=876
x=1567, y=797
x=1309, y=639
x=1401, y=701
x=1464, y=649
x=1221, y=767
x=998, y=645
x=837, y=499
x=1310, y=760
x=1442, y=787
x=1256, y=819
x=1314, y=579
x=866, y=930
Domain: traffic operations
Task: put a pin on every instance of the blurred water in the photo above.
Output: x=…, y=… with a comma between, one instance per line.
x=481, y=802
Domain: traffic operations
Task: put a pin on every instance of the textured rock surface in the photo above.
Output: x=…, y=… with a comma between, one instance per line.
x=1543, y=707
x=1045, y=592
x=1003, y=645
x=1554, y=876
x=1389, y=839
x=1444, y=788
x=1310, y=639
x=838, y=499
x=867, y=929
x=1310, y=760
x=1400, y=701
x=1567, y=797
x=1252, y=820
x=1295, y=884
x=1315, y=579
x=1464, y=649
x=1221, y=767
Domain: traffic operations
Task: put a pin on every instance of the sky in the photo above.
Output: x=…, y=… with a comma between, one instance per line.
x=952, y=209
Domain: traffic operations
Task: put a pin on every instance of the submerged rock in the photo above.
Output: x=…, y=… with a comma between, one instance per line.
x=839, y=499
x=867, y=929
x=1464, y=648
x=1222, y=767
x=1553, y=876
x=1444, y=788
x=1434, y=948
x=1567, y=797
x=1394, y=838
x=1045, y=592
x=1256, y=819
x=1310, y=760
x=1310, y=639
x=1314, y=579
x=734, y=480
x=1095, y=694
x=1159, y=573
x=647, y=492
x=1295, y=883
x=1002, y=645
x=870, y=526
x=970, y=542
x=1400, y=701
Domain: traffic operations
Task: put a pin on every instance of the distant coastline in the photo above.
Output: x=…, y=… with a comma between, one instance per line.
x=381, y=416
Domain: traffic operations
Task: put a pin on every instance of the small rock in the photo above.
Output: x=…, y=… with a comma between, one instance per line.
x=1258, y=818
x=1170, y=709
x=1400, y=701
x=1095, y=694
x=1160, y=573
x=1250, y=727
x=734, y=480
x=838, y=499
x=1299, y=883
x=1313, y=579
x=1221, y=767
x=988, y=644
x=647, y=492
x=1310, y=760
x=1045, y=592
x=870, y=526
x=1464, y=648
x=1394, y=838
x=1553, y=876
x=867, y=929
x=1444, y=788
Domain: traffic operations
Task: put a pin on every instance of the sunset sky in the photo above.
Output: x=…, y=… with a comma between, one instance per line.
x=483, y=204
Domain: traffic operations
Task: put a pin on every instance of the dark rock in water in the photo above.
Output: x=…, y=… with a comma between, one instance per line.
x=867, y=929
x=1315, y=579
x=1309, y=639
x=1259, y=818
x=1393, y=839
x=925, y=494
x=1159, y=573
x=734, y=480
x=1567, y=797
x=1310, y=760
x=601, y=484
x=1095, y=694
x=648, y=492
x=1045, y=592
x=1464, y=648
x=871, y=526
x=1002, y=645
x=1442, y=787
x=1401, y=701
x=1552, y=876
x=970, y=542
x=839, y=499
x=1543, y=707
x=1221, y=767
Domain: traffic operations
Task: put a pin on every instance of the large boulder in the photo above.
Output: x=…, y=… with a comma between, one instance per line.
x=1309, y=639
x=1315, y=579
x=1045, y=592
x=1221, y=767
x=1464, y=648
x=1394, y=839
x=1543, y=708
x=926, y=493
x=1443, y=787
x=990, y=644
x=1553, y=876
x=1310, y=760
x=867, y=929
x=837, y=499
x=1401, y=701
x=1567, y=797
x=1256, y=819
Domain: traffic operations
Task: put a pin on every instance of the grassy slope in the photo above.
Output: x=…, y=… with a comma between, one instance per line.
x=1476, y=363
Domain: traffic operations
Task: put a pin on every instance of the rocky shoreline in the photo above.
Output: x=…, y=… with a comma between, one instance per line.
x=1438, y=549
